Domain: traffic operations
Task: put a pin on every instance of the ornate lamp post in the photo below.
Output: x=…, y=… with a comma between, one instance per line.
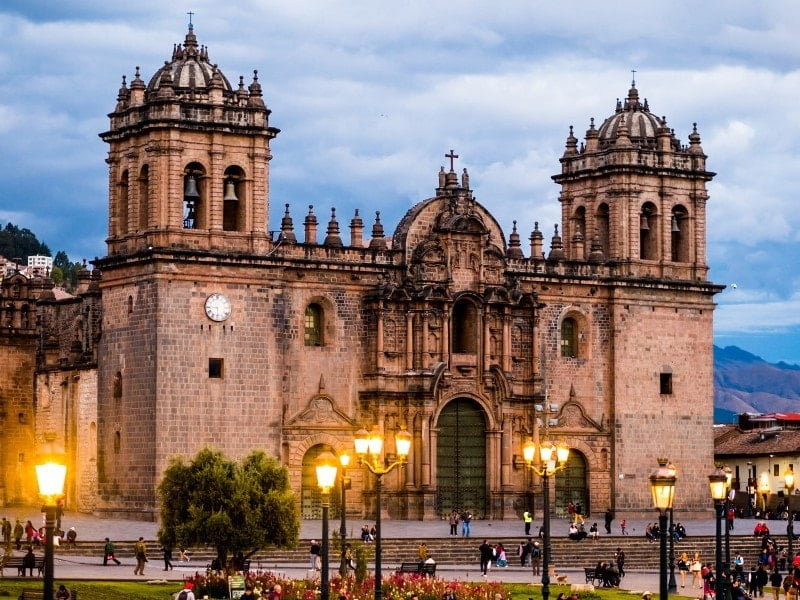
x=551, y=460
x=672, y=585
x=326, y=476
x=788, y=480
x=344, y=461
x=50, y=475
x=717, y=482
x=662, y=487
x=369, y=450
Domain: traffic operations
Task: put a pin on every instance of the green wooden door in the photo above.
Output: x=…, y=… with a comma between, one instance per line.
x=571, y=485
x=461, y=458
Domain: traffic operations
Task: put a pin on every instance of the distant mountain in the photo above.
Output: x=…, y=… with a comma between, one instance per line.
x=744, y=382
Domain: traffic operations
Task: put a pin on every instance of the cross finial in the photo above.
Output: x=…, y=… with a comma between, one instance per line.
x=633, y=78
x=451, y=156
x=191, y=14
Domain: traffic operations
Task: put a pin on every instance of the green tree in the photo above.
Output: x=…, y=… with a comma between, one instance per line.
x=238, y=509
x=20, y=243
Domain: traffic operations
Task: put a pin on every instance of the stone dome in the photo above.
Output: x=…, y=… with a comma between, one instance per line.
x=642, y=125
x=189, y=69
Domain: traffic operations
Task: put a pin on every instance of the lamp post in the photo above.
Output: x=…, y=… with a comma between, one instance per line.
x=662, y=488
x=369, y=450
x=326, y=476
x=344, y=461
x=717, y=482
x=788, y=480
x=672, y=585
x=50, y=476
x=552, y=459
x=728, y=486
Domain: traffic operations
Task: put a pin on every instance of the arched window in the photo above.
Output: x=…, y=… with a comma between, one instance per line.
x=193, y=196
x=313, y=325
x=579, y=226
x=144, y=197
x=679, y=228
x=648, y=232
x=233, y=199
x=122, y=205
x=569, y=338
x=602, y=226
x=465, y=328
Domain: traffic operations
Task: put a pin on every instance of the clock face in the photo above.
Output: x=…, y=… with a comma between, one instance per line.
x=218, y=307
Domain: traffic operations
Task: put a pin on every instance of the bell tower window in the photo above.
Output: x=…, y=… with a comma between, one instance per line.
x=648, y=233
x=122, y=205
x=679, y=232
x=193, y=196
x=233, y=200
x=465, y=327
x=144, y=197
x=569, y=338
x=602, y=224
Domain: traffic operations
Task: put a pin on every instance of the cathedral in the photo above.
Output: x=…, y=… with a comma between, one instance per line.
x=200, y=327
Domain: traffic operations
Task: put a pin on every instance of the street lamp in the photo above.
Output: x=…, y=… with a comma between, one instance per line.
x=369, y=450
x=50, y=475
x=344, y=461
x=788, y=480
x=728, y=522
x=672, y=585
x=326, y=477
x=662, y=488
x=552, y=459
x=717, y=482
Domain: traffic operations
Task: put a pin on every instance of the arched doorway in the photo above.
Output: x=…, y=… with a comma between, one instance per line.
x=461, y=458
x=310, y=497
x=571, y=485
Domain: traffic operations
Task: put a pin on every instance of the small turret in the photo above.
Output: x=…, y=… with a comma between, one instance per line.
x=514, y=245
x=333, y=239
x=287, y=229
x=536, y=241
x=310, y=226
x=556, y=247
x=378, y=241
x=357, y=231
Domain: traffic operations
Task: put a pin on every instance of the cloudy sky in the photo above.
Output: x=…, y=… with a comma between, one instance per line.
x=370, y=95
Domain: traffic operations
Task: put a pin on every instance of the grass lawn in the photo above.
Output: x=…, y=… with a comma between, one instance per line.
x=97, y=590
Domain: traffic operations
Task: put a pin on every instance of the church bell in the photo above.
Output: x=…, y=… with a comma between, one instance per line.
x=675, y=227
x=643, y=223
x=190, y=189
x=230, y=192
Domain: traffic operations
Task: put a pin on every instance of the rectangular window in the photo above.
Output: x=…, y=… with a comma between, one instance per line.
x=666, y=383
x=776, y=469
x=215, y=368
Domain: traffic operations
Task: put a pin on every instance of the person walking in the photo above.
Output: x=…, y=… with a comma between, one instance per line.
x=487, y=554
x=619, y=558
x=536, y=559
x=108, y=553
x=683, y=567
x=623, y=527
x=527, y=518
x=454, y=522
x=167, y=552
x=313, y=555
x=776, y=581
x=140, y=552
x=18, y=531
x=608, y=518
x=6, y=530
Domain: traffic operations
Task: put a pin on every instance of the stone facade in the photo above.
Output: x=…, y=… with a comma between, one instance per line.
x=215, y=333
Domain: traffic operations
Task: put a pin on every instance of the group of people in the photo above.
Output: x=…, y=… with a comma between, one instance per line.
x=368, y=533
x=34, y=536
x=653, y=532
x=464, y=518
x=530, y=555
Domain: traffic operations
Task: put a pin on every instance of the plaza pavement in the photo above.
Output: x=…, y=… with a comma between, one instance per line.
x=91, y=528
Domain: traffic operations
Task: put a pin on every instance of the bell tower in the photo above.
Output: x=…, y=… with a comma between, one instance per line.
x=188, y=159
x=634, y=196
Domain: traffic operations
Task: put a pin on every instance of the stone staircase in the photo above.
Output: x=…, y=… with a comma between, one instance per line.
x=566, y=554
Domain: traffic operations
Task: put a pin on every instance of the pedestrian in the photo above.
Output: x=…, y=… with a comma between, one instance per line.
x=730, y=517
x=619, y=558
x=5, y=528
x=776, y=581
x=108, y=553
x=608, y=517
x=622, y=526
x=59, y=514
x=29, y=531
x=313, y=555
x=140, y=552
x=454, y=522
x=527, y=518
x=536, y=559
x=187, y=593
x=167, y=552
x=466, y=519
x=72, y=535
x=762, y=579
x=275, y=594
x=593, y=533
x=683, y=567
x=487, y=554
x=183, y=555
x=18, y=531
x=696, y=569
